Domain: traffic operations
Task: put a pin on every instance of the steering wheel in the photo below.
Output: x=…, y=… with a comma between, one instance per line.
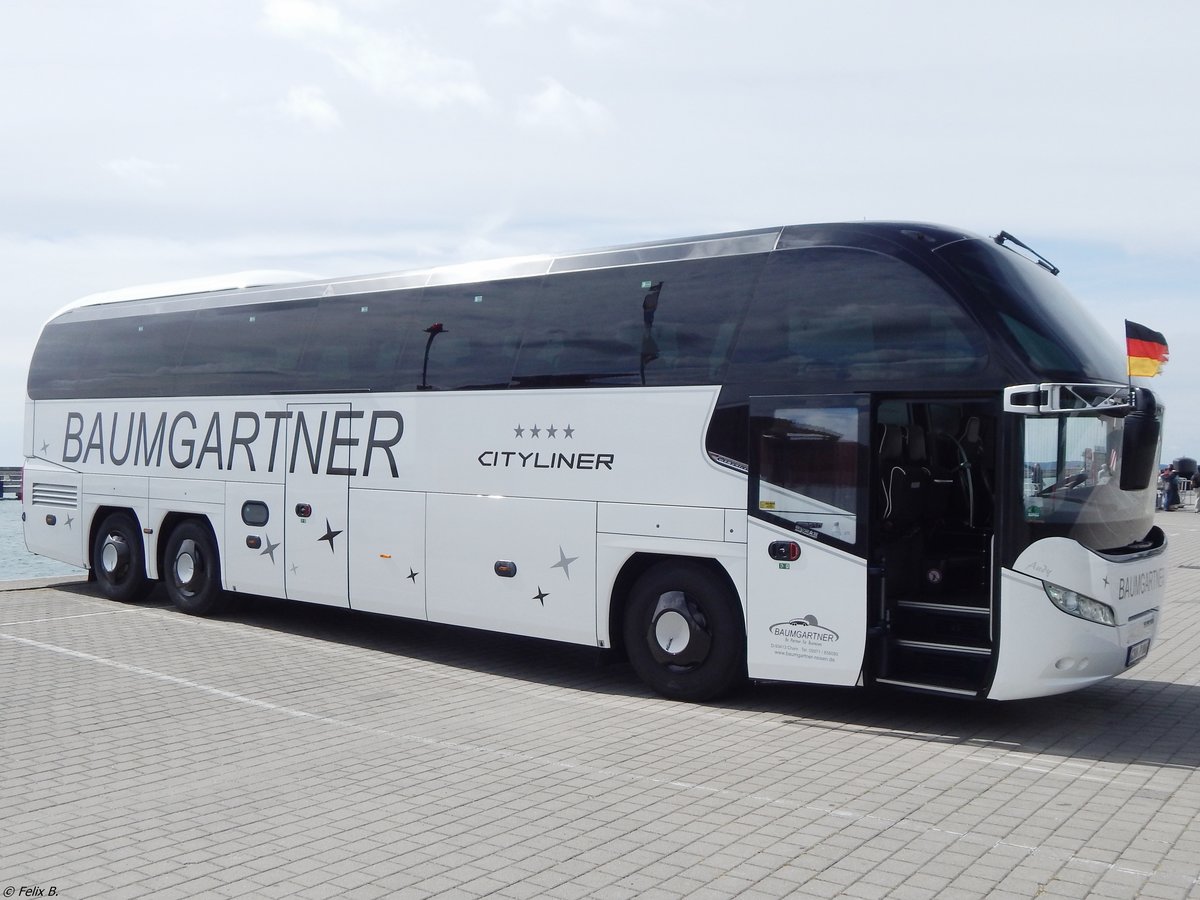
x=1069, y=483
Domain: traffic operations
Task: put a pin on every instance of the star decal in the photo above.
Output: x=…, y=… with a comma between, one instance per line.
x=550, y=431
x=541, y=596
x=1106, y=581
x=564, y=563
x=269, y=550
x=412, y=575
x=45, y=446
x=329, y=535
x=295, y=568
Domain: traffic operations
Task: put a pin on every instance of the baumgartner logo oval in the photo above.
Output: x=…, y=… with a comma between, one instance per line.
x=805, y=629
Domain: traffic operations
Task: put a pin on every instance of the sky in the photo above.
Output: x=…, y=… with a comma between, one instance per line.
x=149, y=141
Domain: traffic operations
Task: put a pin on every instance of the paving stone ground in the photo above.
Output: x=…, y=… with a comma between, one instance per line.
x=294, y=751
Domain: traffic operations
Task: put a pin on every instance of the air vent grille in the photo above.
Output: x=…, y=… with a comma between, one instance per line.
x=62, y=496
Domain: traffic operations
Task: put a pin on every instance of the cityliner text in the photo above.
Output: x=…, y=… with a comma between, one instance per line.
x=221, y=440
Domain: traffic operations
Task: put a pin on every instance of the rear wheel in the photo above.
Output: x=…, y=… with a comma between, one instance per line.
x=684, y=633
x=118, y=559
x=192, y=571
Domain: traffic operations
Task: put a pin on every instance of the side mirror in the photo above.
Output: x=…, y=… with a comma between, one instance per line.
x=1139, y=444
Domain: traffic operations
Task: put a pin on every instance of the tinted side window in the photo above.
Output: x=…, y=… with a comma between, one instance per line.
x=664, y=324
x=122, y=357
x=356, y=343
x=476, y=344
x=834, y=313
x=59, y=361
x=244, y=349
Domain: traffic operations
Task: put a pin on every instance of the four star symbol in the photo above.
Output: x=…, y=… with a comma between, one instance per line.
x=535, y=431
x=269, y=550
x=329, y=535
x=541, y=596
x=564, y=563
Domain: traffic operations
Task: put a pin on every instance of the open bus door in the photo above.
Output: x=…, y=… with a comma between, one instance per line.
x=807, y=536
x=933, y=609
x=870, y=542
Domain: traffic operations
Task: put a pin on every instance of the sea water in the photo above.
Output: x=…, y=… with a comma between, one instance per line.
x=17, y=563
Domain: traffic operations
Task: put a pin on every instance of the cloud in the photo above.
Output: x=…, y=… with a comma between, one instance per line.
x=303, y=17
x=520, y=12
x=557, y=108
x=307, y=103
x=391, y=62
x=621, y=12
x=142, y=173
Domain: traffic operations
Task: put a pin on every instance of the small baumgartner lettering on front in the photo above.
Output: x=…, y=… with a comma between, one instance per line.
x=1141, y=583
x=232, y=440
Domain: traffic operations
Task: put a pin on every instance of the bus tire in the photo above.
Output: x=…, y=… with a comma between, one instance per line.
x=684, y=634
x=192, y=571
x=119, y=559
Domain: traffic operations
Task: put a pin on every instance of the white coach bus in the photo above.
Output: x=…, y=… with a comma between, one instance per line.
x=870, y=453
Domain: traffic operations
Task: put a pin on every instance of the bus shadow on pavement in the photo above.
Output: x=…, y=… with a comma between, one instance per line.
x=1122, y=721
x=1125, y=720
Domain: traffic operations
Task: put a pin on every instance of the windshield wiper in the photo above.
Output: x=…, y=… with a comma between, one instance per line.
x=1041, y=260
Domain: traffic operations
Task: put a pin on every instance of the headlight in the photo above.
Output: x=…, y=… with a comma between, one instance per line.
x=1076, y=604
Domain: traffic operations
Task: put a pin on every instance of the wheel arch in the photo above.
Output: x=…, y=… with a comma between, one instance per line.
x=637, y=565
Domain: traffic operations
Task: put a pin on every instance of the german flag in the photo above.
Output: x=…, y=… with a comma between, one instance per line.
x=1147, y=349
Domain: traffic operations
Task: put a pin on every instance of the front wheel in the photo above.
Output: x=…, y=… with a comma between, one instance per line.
x=684, y=633
x=118, y=559
x=192, y=571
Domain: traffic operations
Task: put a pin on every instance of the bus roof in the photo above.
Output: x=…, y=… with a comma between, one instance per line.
x=264, y=286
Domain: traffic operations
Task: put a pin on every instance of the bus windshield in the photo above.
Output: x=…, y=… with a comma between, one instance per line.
x=1059, y=339
x=1072, y=482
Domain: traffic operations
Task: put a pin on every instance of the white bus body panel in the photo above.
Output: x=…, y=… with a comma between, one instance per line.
x=552, y=546
x=686, y=522
x=807, y=619
x=55, y=525
x=254, y=570
x=316, y=546
x=388, y=563
x=1043, y=650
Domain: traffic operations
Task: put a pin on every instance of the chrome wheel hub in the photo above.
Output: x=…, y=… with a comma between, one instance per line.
x=679, y=635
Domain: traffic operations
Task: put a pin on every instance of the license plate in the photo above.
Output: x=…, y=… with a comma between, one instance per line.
x=1137, y=652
